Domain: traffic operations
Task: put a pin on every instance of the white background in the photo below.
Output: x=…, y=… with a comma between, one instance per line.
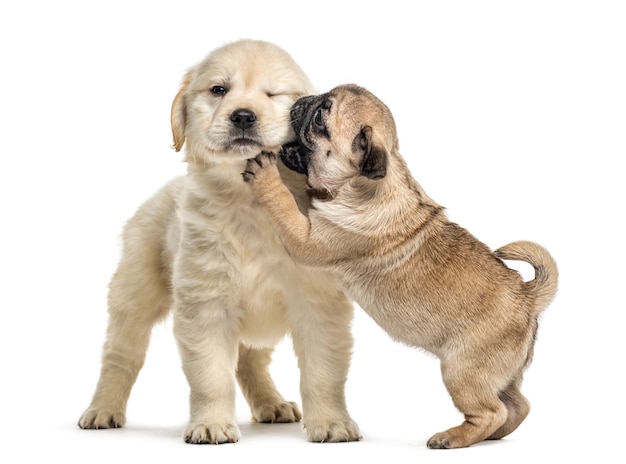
x=510, y=114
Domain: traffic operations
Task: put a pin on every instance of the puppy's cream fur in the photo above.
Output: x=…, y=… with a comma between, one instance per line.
x=425, y=280
x=201, y=247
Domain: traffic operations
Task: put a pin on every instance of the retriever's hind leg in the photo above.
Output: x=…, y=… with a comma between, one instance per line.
x=266, y=403
x=137, y=300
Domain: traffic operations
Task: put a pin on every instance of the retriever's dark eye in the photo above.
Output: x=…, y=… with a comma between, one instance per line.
x=317, y=118
x=218, y=90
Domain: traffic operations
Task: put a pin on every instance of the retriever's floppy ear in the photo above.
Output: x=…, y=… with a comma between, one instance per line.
x=179, y=115
x=373, y=164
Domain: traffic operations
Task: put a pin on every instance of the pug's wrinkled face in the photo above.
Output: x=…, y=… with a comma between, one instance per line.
x=339, y=137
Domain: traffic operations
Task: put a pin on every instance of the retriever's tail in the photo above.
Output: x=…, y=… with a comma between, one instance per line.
x=544, y=286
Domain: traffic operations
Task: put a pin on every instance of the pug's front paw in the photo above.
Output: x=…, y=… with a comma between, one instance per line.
x=261, y=168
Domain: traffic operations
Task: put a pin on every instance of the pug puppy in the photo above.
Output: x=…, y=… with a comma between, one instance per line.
x=425, y=280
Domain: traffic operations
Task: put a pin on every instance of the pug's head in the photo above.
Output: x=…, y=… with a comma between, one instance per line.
x=344, y=135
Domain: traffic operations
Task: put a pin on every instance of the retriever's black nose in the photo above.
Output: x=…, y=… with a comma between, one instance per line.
x=243, y=119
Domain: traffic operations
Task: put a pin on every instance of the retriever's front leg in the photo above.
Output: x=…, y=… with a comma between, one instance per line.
x=206, y=326
x=293, y=228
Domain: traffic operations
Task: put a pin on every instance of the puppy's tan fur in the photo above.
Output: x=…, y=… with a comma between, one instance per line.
x=202, y=247
x=425, y=280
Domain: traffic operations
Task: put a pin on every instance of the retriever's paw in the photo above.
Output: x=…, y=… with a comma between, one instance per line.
x=332, y=431
x=94, y=418
x=263, y=167
x=277, y=413
x=214, y=434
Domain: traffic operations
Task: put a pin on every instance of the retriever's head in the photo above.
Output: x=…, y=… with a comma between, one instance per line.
x=236, y=102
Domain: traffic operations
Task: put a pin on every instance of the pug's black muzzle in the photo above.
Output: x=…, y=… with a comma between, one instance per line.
x=302, y=112
x=296, y=155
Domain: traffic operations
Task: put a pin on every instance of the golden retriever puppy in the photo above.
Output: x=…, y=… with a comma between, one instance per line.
x=201, y=248
x=427, y=281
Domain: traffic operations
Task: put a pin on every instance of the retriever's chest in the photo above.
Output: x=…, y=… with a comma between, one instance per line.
x=249, y=230
x=263, y=271
x=222, y=209
x=237, y=253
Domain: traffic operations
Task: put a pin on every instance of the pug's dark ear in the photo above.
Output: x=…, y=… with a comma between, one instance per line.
x=373, y=164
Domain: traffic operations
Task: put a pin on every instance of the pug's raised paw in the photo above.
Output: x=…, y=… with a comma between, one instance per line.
x=259, y=167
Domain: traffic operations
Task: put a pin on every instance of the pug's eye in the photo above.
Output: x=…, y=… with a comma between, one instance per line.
x=218, y=90
x=317, y=118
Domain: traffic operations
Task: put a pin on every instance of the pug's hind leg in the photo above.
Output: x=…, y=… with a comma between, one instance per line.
x=518, y=409
x=266, y=403
x=474, y=394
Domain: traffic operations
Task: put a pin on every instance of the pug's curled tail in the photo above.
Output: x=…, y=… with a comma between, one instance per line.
x=544, y=286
